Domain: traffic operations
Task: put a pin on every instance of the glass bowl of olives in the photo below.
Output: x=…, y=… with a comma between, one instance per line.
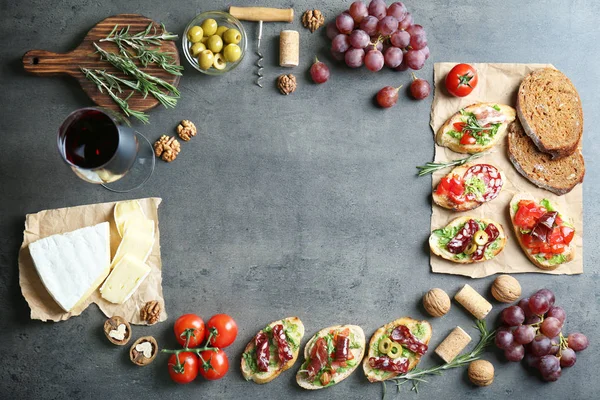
x=214, y=42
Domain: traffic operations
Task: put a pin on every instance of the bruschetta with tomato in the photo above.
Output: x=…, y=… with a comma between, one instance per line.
x=544, y=233
x=331, y=356
x=468, y=186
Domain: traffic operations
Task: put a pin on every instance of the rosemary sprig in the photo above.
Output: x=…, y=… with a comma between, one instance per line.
x=430, y=167
x=416, y=376
x=110, y=86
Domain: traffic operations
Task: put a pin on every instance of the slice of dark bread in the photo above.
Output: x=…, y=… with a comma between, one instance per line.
x=556, y=175
x=550, y=111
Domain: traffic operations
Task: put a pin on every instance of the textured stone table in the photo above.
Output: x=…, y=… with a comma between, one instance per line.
x=303, y=205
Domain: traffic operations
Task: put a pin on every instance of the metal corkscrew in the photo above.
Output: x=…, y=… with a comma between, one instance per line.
x=259, y=64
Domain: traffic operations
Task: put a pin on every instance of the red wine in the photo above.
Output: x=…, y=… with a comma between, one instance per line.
x=91, y=139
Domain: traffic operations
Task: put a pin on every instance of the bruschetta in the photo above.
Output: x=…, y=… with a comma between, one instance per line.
x=476, y=128
x=396, y=348
x=331, y=356
x=273, y=350
x=468, y=186
x=544, y=233
x=468, y=240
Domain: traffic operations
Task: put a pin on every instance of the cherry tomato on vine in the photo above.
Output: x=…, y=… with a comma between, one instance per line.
x=187, y=369
x=461, y=80
x=215, y=364
x=226, y=329
x=467, y=138
x=195, y=324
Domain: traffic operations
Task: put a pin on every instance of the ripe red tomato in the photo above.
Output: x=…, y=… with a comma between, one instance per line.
x=461, y=80
x=187, y=370
x=226, y=329
x=216, y=365
x=195, y=324
x=528, y=214
x=467, y=138
x=567, y=234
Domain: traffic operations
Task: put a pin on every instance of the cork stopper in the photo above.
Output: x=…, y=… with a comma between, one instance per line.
x=289, y=48
x=454, y=343
x=473, y=302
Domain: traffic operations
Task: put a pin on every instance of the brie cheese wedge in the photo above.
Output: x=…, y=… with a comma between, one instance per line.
x=127, y=275
x=74, y=264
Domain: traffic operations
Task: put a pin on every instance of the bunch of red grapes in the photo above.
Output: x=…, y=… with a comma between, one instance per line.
x=532, y=331
x=375, y=35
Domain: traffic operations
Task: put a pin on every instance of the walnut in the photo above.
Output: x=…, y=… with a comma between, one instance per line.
x=167, y=148
x=481, y=372
x=150, y=312
x=286, y=84
x=143, y=351
x=436, y=302
x=117, y=330
x=506, y=289
x=186, y=130
x=313, y=19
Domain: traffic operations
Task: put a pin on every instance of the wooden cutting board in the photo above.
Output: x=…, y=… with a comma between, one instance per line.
x=46, y=63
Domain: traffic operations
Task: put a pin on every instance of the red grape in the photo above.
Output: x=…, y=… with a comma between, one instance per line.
x=555, y=345
x=359, y=39
x=319, y=72
x=358, y=11
x=532, y=361
x=378, y=44
x=392, y=57
x=578, y=341
x=524, y=334
x=558, y=313
x=397, y=10
x=374, y=60
x=387, y=25
x=540, y=346
x=549, y=364
x=567, y=358
x=553, y=377
x=415, y=59
x=504, y=338
x=340, y=43
x=377, y=8
x=524, y=304
x=513, y=316
x=337, y=55
x=402, y=66
x=551, y=327
x=388, y=96
x=344, y=23
x=533, y=319
x=332, y=30
x=549, y=295
x=400, y=39
x=406, y=22
x=538, y=303
x=425, y=50
x=419, y=88
x=514, y=352
x=369, y=25
x=355, y=58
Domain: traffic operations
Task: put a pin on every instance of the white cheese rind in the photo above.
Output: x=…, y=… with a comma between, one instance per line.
x=72, y=265
x=125, y=278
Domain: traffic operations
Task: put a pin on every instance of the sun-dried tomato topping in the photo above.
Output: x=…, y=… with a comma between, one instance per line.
x=400, y=365
x=342, y=347
x=459, y=243
x=402, y=335
x=318, y=358
x=283, y=348
x=262, y=351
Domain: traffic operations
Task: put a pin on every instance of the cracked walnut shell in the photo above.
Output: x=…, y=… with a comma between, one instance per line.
x=150, y=312
x=286, y=84
x=506, y=289
x=142, y=354
x=167, y=148
x=481, y=372
x=313, y=19
x=436, y=302
x=117, y=330
x=186, y=130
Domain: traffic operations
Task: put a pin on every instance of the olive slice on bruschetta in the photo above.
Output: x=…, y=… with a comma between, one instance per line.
x=331, y=356
x=476, y=128
x=545, y=234
x=468, y=240
x=273, y=350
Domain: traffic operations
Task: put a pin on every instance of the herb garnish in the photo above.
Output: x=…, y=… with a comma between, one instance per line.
x=430, y=167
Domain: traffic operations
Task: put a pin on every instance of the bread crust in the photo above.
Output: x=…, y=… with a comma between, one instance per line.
x=370, y=372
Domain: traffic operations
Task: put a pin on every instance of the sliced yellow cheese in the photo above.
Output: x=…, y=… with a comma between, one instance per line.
x=127, y=275
x=138, y=239
x=126, y=210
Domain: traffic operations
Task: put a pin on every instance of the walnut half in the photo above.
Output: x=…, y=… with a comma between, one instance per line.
x=167, y=148
x=117, y=330
x=286, y=84
x=143, y=351
x=186, y=130
x=150, y=312
x=313, y=19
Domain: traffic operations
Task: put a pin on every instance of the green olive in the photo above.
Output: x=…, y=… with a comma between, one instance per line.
x=221, y=30
x=395, y=350
x=385, y=345
x=210, y=27
x=214, y=43
x=219, y=61
x=232, y=36
x=195, y=34
x=232, y=52
x=470, y=249
x=205, y=60
x=197, y=48
x=481, y=237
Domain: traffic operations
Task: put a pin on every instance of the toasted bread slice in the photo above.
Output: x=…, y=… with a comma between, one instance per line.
x=443, y=138
x=549, y=108
x=542, y=264
x=421, y=329
x=558, y=176
x=248, y=367
x=446, y=202
x=357, y=337
x=440, y=249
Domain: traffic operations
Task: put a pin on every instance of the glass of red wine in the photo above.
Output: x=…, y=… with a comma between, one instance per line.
x=100, y=147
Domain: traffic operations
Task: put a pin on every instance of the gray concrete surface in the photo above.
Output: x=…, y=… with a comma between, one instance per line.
x=304, y=205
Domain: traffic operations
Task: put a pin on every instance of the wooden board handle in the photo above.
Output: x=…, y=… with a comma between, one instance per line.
x=42, y=62
x=266, y=14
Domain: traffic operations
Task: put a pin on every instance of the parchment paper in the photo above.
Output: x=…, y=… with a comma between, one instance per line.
x=50, y=222
x=498, y=83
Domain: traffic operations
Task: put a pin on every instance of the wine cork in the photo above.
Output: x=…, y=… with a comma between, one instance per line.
x=454, y=343
x=473, y=302
x=289, y=48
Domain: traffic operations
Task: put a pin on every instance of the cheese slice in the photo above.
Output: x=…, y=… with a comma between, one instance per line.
x=138, y=239
x=126, y=210
x=72, y=265
x=127, y=275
